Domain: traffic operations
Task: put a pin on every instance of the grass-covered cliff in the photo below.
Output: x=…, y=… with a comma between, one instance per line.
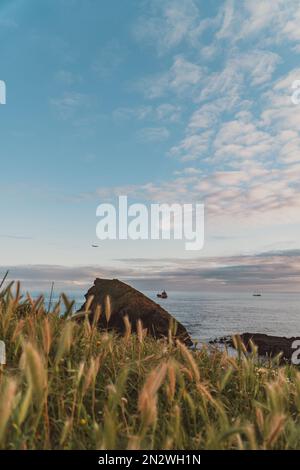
x=68, y=386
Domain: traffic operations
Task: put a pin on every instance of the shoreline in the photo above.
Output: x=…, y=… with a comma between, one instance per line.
x=267, y=345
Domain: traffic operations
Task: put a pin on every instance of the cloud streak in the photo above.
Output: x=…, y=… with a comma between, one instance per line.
x=267, y=270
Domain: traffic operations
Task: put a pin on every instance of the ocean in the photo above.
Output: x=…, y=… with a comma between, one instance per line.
x=211, y=315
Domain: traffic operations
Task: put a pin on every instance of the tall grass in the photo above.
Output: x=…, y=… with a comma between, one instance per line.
x=69, y=386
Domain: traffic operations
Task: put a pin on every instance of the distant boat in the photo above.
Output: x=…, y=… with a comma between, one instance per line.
x=256, y=295
x=163, y=295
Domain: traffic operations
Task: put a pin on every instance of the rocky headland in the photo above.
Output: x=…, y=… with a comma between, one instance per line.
x=125, y=301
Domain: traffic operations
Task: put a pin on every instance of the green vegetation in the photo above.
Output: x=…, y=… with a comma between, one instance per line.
x=68, y=386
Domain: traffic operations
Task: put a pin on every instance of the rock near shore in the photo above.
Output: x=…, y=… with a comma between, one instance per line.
x=127, y=301
x=267, y=345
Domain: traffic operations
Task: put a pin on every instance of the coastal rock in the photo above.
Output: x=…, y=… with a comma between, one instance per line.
x=267, y=345
x=127, y=301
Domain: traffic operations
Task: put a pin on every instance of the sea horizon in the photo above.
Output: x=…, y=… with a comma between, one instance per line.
x=211, y=315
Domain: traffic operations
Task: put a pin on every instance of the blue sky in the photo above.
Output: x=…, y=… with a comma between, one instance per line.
x=165, y=101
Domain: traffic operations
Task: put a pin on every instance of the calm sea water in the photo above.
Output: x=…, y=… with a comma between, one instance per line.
x=211, y=315
x=208, y=316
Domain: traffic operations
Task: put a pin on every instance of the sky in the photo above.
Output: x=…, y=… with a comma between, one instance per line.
x=164, y=101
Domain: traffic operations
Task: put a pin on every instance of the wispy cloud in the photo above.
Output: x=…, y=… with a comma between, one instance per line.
x=269, y=270
x=182, y=77
x=67, y=77
x=109, y=58
x=165, y=112
x=153, y=134
x=169, y=23
x=16, y=237
x=70, y=103
x=8, y=23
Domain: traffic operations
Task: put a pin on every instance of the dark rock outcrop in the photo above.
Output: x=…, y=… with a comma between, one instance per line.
x=127, y=301
x=267, y=345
